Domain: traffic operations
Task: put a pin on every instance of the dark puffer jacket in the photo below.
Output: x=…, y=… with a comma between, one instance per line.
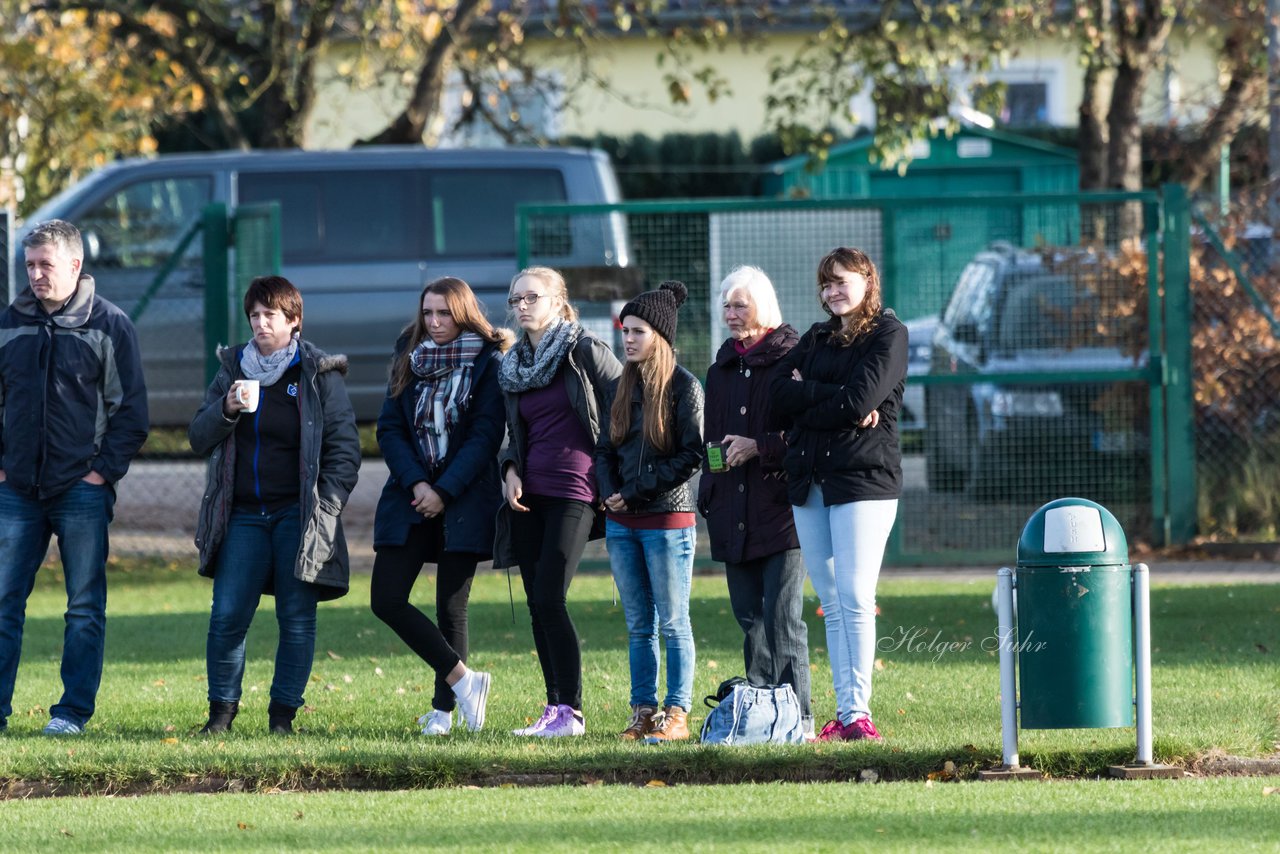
x=72, y=399
x=748, y=514
x=840, y=387
x=467, y=478
x=329, y=465
x=650, y=481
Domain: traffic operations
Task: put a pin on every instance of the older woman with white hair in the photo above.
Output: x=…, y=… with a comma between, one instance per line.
x=745, y=502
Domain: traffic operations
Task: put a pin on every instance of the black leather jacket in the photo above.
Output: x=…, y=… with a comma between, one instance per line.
x=647, y=480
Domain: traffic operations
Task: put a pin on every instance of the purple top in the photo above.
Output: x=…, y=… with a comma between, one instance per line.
x=558, y=462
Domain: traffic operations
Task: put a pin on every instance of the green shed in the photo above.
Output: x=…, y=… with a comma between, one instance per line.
x=927, y=245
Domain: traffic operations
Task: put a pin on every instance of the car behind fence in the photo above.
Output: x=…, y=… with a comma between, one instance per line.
x=1148, y=387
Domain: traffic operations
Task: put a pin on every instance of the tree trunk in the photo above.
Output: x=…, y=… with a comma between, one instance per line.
x=1124, y=149
x=1093, y=128
x=428, y=93
x=1242, y=93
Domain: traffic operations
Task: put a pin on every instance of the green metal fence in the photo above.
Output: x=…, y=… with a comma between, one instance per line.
x=1048, y=358
x=238, y=246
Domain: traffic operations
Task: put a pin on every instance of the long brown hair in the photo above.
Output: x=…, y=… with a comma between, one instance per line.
x=466, y=312
x=555, y=287
x=654, y=375
x=864, y=316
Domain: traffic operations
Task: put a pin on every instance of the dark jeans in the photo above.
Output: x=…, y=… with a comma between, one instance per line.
x=395, y=569
x=79, y=518
x=548, y=542
x=259, y=552
x=767, y=597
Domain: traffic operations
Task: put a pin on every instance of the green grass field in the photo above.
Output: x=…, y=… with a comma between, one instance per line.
x=1214, y=692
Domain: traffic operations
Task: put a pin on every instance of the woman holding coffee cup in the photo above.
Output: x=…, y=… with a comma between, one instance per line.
x=555, y=381
x=650, y=448
x=744, y=499
x=839, y=392
x=284, y=454
x=440, y=430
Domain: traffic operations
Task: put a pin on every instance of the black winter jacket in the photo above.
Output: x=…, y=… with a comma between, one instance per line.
x=467, y=479
x=748, y=514
x=329, y=467
x=647, y=480
x=72, y=398
x=840, y=387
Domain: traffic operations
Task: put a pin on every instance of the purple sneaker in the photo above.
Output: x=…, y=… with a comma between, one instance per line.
x=862, y=728
x=568, y=721
x=548, y=715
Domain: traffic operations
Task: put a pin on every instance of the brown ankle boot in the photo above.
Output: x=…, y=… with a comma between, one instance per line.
x=641, y=723
x=671, y=725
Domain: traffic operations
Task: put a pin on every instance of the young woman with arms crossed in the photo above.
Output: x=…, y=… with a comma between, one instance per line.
x=439, y=431
x=839, y=393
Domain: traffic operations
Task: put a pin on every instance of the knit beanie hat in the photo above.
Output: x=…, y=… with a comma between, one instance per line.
x=658, y=308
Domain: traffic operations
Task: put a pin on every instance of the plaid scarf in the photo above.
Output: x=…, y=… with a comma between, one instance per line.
x=444, y=390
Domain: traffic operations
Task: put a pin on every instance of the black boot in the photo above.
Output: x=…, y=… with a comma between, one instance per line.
x=220, y=717
x=280, y=718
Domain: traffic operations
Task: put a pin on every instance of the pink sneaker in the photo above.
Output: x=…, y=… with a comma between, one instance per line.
x=831, y=731
x=567, y=722
x=862, y=728
x=548, y=715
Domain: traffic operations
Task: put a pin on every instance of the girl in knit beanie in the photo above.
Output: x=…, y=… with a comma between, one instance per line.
x=649, y=449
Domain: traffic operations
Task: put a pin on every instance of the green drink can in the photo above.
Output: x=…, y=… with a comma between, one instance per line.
x=715, y=457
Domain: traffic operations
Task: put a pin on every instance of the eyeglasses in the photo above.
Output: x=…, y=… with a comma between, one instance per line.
x=528, y=299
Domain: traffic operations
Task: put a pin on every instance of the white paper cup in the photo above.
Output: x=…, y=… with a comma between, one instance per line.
x=247, y=392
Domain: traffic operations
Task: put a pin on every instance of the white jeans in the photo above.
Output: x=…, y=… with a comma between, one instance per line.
x=843, y=547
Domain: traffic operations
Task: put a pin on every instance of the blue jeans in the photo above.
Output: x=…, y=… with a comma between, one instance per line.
x=258, y=556
x=79, y=518
x=654, y=571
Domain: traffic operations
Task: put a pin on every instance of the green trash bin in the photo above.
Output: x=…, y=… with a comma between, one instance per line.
x=1074, y=618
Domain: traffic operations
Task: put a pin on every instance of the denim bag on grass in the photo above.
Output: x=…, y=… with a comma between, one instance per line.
x=747, y=714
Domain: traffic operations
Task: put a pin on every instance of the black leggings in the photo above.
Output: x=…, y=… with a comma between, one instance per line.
x=548, y=541
x=395, y=569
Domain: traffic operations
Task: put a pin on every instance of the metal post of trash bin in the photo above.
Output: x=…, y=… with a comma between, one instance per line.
x=1006, y=639
x=1144, y=767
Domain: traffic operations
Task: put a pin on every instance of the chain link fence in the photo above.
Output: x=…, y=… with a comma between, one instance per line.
x=1236, y=346
x=1030, y=317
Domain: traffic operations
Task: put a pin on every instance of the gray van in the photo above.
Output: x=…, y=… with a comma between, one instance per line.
x=362, y=231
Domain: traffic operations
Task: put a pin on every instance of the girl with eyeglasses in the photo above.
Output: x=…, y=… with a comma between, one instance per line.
x=556, y=381
x=439, y=431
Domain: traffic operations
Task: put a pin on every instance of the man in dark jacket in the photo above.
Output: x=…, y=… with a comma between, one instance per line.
x=73, y=413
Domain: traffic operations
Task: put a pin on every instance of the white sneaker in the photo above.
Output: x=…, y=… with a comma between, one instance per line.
x=567, y=722
x=548, y=715
x=62, y=726
x=436, y=722
x=472, y=692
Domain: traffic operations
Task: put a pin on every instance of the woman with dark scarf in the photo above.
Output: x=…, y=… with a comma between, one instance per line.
x=440, y=430
x=282, y=464
x=556, y=381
